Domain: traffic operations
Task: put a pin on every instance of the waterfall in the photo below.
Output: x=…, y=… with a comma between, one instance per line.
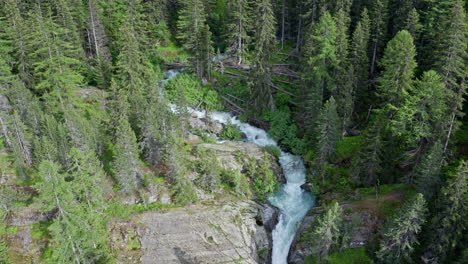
x=292, y=200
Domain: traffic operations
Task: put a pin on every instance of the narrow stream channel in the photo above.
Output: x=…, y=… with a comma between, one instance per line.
x=292, y=200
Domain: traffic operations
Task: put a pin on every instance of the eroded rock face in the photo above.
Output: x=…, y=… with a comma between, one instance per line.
x=230, y=233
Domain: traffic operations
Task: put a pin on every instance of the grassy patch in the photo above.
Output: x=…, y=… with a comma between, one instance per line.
x=273, y=150
x=348, y=147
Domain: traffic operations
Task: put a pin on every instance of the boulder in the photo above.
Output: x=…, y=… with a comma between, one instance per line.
x=222, y=233
x=228, y=152
x=23, y=216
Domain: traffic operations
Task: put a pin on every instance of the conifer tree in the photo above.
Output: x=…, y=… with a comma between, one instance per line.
x=360, y=61
x=422, y=112
x=368, y=163
x=159, y=128
x=54, y=66
x=193, y=33
x=17, y=30
x=329, y=131
x=265, y=39
x=379, y=15
x=413, y=25
x=72, y=240
x=318, y=73
x=53, y=144
x=88, y=177
x=126, y=165
x=21, y=145
x=427, y=173
x=239, y=27
x=400, y=236
x=399, y=64
x=452, y=62
x=448, y=226
x=328, y=230
x=344, y=88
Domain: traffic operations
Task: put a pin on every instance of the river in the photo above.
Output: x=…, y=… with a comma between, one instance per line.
x=292, y=200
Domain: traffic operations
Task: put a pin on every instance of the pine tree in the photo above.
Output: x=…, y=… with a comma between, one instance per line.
x=239, y=27
x=53, y=144
x=452, y=62
x=427, y=173
x=400, y=236
x=449, y=224
x=126, y=165
x=399, y=64
x=265, y=40
x=317, y=76
x=329, y=131
x=422, y=112
x=359, y=61
x=399, y=11
x=328, y=230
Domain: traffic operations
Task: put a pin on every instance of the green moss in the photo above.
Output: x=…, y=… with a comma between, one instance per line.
x=350, y=256
x=134, y=244
x=263, y=253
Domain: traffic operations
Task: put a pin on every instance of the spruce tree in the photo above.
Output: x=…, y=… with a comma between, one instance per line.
x=317, y=76
x=264, y=43
x=413, y=25
x=72, y=240
x=239, y=27
x=21, y=145
x=18, y=32
x=399, y=63
x=452, y=62
x=449, y=224
x=367, y=166
x=427, y=174
x=193, y=31
x=54, y=65
x=379, y=16
x=359, y=61
x=126, y=165
x=328, y=230
x=329, y=131
x=423, y=111
x=400, y=235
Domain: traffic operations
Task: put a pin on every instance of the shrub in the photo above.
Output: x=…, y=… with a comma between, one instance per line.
x=350, y=256
x=273, y=150
x=190, y=89
x=264, y=179
x=236, y=180
x=231, y=132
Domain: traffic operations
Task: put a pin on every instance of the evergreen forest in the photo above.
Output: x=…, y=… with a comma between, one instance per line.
x=192, y=131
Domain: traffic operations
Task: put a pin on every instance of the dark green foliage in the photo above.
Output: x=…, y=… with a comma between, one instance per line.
x=239, y=26
x=367, y=165
x=427, y=173
x=264, y=43
x=321, y=63
x=284, y=130
x=184, y=191
x=448, y=226
x=236, y=180
x=328, y=131
x=209, y=170
x=400, y=235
